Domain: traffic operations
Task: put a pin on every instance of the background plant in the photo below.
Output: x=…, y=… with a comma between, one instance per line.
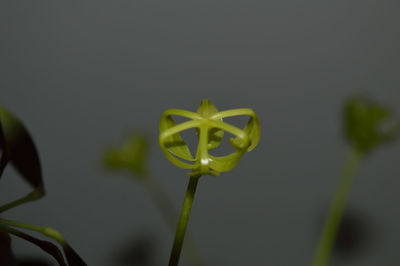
x=367, y=126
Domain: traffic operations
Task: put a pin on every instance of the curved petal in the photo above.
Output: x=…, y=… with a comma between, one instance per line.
x=252, y=128
x=253, y=131
x=225, y=163
x=233, y=112
x=170, y=138
x=183, y=113
x=241, y=142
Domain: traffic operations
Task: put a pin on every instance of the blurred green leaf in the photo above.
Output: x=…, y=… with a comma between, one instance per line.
x=18, y=148
x=72, y=257
x=6, y=254
x=130, y=156
x=46, y=246
x=4, y=157
x=369, y=124
x=33, y=261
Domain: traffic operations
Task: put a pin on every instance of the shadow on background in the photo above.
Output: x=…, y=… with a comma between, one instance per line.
x=138, y=251
x=357, y=234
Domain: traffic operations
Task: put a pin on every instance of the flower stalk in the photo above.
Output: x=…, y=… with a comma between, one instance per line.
x=183, y=221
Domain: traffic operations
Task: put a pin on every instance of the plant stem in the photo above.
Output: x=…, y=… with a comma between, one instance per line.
x=168, y=211
x=32, y=196
x=328, y=235
x=183, y=221
x=161, y=200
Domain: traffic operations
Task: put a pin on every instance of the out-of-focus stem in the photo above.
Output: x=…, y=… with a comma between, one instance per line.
x=338, y=204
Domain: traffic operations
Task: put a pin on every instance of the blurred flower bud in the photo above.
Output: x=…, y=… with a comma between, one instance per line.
x=368, y=124
x=130, y=156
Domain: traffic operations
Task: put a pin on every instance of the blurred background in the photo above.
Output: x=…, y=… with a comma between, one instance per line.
x=82, y=75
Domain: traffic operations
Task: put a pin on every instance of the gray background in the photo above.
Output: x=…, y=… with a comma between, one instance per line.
x=83, y=74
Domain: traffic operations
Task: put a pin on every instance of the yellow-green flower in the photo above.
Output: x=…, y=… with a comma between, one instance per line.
x=210, y=127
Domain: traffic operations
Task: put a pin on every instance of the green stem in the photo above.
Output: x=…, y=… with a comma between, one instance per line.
x=32, y=196
x=338, y=203
x=168, y=211
x=183, y=221
x=161, y=200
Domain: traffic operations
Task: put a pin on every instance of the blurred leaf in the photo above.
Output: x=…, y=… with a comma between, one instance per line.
x=72, y=257
x=46, y=246
x=368, y=124
x=130, y=156
x=33, y=262
x=19, y=149
x=6, y=255
x=4, y=157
